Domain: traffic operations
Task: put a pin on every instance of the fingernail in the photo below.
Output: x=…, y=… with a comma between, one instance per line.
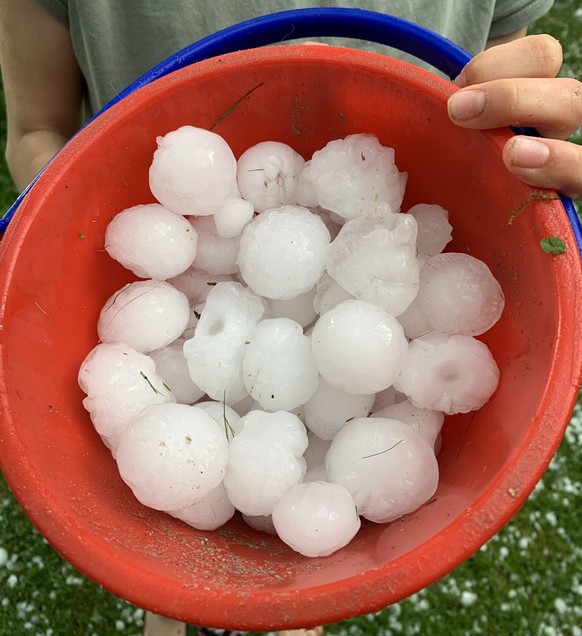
x=528, y=153
x=466, y=104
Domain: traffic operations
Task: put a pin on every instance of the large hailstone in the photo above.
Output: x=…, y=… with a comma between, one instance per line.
x=352, y=175
x=283, y=252
x=386, y=466
x=151, y=241
x=268, y=173
x=265, y=460
x=358, y=347
x=209, y=513
x=145, y=315
x=216, y=351
x=316, y=519
x=426, y=423
x=434, y=229
x=119, y=383
x=459, y=294
x=193, y=171
x=172, y=455
x=452, y=374
x=374, y=258
x=172, y=367
x=278, y=366
x=215, y=254
x=225, y=416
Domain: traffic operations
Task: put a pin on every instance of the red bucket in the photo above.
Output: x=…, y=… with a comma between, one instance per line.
x=55, y=277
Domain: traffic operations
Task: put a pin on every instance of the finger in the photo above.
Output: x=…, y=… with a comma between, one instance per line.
x=546, y=163
x=552, y=106
x=532, y=56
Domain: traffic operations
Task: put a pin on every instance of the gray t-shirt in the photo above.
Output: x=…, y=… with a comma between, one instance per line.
x=116, y=41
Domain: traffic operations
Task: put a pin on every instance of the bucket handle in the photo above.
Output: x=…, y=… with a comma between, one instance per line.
x=276, y=28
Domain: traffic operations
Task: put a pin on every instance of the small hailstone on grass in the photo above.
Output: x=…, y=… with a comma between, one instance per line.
x=232, y=216
x=196, y=283
x=209, y=513
x=216, y=351
x=426, y=423
x=278, y=366
x=265, y=460
x=193, y=171
x=119, y=383
x=448, y=373
x=300, y=309
x=283, y=252
x=374, y=259
x=351, y=175
x=316, y=518
x=145, y=315
x=358, y=347
x=434, y=229
x=329, y=409
x=328, y=294
x=151, y=241
x=225, y=416
x=385, y=464
x=172, y=455
x=215, y=254
x=267, y=174
x=459, y=294
x=172, y=367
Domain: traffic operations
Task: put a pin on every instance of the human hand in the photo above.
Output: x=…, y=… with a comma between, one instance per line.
x=515, y=84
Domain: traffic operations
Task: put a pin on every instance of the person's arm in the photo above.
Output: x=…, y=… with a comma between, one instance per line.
x=43, y=87
x=515, y=84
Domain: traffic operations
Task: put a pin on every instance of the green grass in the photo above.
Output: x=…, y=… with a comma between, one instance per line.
x=526, y=581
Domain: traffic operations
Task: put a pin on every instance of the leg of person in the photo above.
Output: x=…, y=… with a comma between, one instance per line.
x=156, y=625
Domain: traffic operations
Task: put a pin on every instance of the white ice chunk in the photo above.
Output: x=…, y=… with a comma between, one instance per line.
x=434, y=229
x=215, y=254
x=172, y=368
x=426, y=423
x=232, y=216
x=225, y=416
x=328, y=294
x=211, y=512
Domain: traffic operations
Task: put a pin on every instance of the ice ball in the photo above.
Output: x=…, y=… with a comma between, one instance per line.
x=172, y=455
x=225, y=416
x=232, y=216
x=426, y=423
x=448, y=373
x=172, y=368
x=283, y=252
x=459, y=294
x=278, y=367
x=358, y=347
x=386, y=466
x=215, y=254
x=316, y=519
x=193, y=171
x=328, y=294
x=145, y=315
x=209, y=513
x=434, y=229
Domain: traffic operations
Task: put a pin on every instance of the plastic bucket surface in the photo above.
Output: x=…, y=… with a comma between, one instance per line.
x=55, y=277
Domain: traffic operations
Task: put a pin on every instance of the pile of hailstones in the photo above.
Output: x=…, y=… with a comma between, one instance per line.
x=296, y=344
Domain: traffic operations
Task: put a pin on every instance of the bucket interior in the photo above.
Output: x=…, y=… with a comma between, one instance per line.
x=56, y=277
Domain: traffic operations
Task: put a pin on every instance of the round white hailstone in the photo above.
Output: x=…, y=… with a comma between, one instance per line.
x=242, y=407
x=358, y=347
x=268, y=173
x=459, y=294
x=426, y=423
x=257, y=406
x=386, y=466
x=330, y=409
x=261, y=523
x=314, y=454
x=193, y=171
x=211, y=512
x=172, y=367
x=232, y=216
x=216, y=351
x=353, y=174
x=278, y=366
x=119, y=383
x=316, y=518
x=196, y=283
x=151, y=241
x=317, y=473
x=283, y=252
x=215, y=255
x=305, y=192
x=225, y=416
x=299, y=309
x=452, y=374
x=328, y=294
x=434, y=229
x=145, y=315
x=374, y=258
x=386, y=398
x=172, y=455
x=265, y=460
